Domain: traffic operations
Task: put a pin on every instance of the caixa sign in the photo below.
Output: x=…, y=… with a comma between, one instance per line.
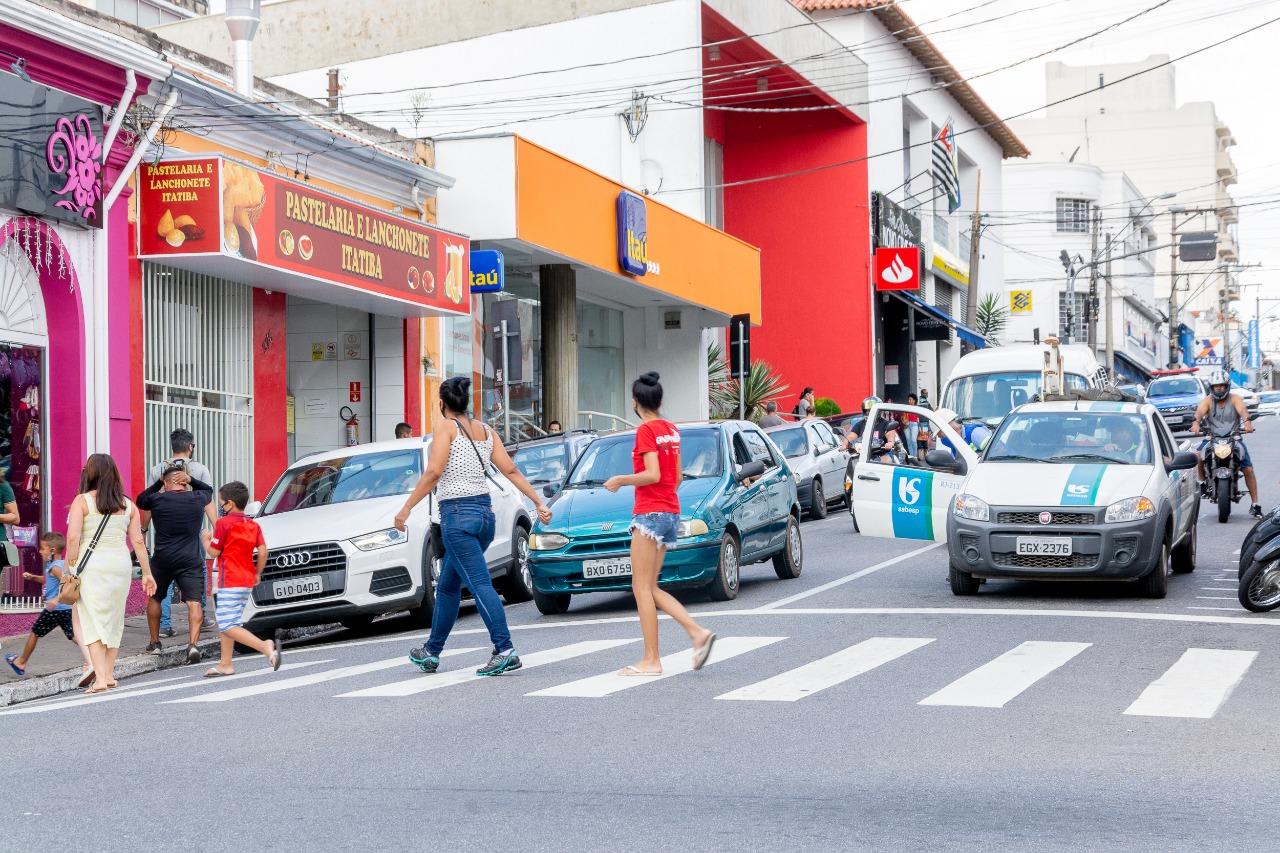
x=633, y=234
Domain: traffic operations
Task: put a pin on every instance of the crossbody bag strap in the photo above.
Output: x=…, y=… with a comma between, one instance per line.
x=93, y=543
x=476, y=448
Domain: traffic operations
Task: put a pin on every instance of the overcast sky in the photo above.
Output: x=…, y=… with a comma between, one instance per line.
x=1239, y=77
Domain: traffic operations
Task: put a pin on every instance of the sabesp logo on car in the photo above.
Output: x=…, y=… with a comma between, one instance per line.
x=293, y=560
x=908, y=494
x=1078, y=489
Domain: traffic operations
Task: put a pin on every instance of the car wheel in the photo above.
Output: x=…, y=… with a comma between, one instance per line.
x=962, y=583
x=1156, y=583
x=516, y=585
x=788, y=562
x=551, y=604
x=1184, y=555
x=724, y=586
x=420, y=616
x=818, y=505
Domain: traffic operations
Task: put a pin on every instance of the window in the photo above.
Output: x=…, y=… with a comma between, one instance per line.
x=1073, y=215
x=1068, y=437
x=713, y=167
x=758, y=448
x=346, y=478
x=991, y=396
x=790, y=441
x=1077, y=324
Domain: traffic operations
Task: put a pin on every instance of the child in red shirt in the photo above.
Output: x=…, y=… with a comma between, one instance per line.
x=655, y=520
x=235, y=538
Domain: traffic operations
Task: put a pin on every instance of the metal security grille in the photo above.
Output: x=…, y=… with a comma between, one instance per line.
x=1073, y=215
x=198, y=368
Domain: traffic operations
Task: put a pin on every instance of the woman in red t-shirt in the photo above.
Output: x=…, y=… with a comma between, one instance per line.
x=656, y=515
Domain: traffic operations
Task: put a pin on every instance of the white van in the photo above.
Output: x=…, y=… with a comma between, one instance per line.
x=991, y=382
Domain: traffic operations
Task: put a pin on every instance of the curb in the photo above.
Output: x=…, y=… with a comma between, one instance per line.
x=43, y=687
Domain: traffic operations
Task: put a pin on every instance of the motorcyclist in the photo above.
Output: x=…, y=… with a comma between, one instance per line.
x=884, y=428
x=1224, y=413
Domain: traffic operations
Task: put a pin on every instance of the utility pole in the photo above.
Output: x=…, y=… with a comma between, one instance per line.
x=1224, y=305
x=975, y=234
x=1091, y=305
x=1174, y=325
x=1109, y=332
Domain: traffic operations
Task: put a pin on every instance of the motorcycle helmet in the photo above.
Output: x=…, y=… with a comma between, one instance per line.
x=1219, y=384
x=869, y=402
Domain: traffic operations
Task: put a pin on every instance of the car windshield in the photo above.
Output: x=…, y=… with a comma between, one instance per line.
x=543, y=463
x=1270, y=397
x=991, y=396
x=1072, y=437
x=609, y=457
x=1174, y=387
x=345, y=478
x=791, y=442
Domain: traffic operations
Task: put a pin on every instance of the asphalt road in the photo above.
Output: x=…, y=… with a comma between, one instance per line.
x=861, y=706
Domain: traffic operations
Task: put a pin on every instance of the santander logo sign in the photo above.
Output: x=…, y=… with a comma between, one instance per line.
x=898, y=268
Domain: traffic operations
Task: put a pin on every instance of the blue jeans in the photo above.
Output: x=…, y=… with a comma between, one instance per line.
x=467, y=527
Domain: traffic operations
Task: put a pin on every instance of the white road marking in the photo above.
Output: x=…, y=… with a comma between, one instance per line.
x=308, y=679
x=861, y=573
x=598, y=686
x=1216, y=598
x=1218, y=588
x=996, y=682
x=115, y=695
x=1235, y=553
x=829, y=671
x=1195, y=686
x=423, y=683
x=1228, y=609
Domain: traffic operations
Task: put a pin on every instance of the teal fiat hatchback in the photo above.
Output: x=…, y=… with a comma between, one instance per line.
x=738, y=506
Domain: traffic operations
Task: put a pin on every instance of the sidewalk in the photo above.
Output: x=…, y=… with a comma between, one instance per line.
x=55, y=667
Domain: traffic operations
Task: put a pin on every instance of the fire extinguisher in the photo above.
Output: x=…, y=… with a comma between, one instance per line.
x=351, y=428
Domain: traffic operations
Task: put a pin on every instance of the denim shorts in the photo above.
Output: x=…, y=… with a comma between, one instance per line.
x=658, y=526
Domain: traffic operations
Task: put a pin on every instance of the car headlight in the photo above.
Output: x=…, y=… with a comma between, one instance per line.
x=1130, y=509
x=691, y=527
x=379, y=539
x=1222, y=450
x=972, y=508
x=547, y=541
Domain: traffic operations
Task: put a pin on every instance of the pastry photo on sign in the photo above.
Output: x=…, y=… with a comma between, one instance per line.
x=243, y=197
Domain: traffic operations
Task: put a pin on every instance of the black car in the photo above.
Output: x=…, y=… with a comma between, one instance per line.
x=546, y=461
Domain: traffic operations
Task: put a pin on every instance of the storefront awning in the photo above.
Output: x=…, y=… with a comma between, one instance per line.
x=966, y=334
x=1131, y=370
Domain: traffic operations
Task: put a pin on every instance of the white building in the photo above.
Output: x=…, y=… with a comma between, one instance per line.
x=913, y=90
x=1137, y=126
x=1036, y=285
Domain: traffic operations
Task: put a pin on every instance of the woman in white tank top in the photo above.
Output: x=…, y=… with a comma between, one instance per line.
x=461, y=451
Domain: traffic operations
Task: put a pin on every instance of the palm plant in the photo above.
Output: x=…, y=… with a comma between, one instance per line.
x=763, y=384
x=992, y=318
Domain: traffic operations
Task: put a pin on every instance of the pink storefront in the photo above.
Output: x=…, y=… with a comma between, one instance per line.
x=64, y=298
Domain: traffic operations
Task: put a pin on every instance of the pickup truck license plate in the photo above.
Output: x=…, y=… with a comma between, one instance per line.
x=617, y=567
x=293, y=587
x=1040, y=546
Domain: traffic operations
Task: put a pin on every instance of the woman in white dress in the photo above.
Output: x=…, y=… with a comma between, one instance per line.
x=108, y=572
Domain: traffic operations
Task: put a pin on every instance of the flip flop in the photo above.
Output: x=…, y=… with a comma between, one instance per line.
x=10, y=659
x=93, y=690
x=701, y=653
x=274, y=660
x=214, y=672
x=112, y=685
x=631, y=670
x=86, y=679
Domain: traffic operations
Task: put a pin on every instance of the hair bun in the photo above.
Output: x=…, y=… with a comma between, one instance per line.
x=650, y=378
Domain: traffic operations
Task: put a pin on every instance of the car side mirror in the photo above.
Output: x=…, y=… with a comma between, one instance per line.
x=1182, y=461
x=750, y=470
x=817, y=451
x=944, y=461
x=548, y=490
x=253, y=508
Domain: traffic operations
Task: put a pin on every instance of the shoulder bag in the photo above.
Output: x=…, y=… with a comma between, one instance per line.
x=69, y=590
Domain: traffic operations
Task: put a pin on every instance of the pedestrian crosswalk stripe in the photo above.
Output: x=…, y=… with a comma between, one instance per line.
x=423, y=683
x=115, y=695
x=829, y=671
x=276, y=685
x=996, y=682
x=1195, y=686
x=678, y=663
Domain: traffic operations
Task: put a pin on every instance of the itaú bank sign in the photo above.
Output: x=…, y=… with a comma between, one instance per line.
x=633, y=236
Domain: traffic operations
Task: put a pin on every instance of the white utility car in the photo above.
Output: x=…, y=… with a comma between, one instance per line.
x=335, y=556
x=1072, y=490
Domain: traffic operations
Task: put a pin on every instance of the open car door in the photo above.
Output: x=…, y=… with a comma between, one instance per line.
x=896, y=499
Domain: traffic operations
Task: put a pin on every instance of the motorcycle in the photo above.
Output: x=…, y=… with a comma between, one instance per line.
x=1263, y=531
x=1222, y=472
